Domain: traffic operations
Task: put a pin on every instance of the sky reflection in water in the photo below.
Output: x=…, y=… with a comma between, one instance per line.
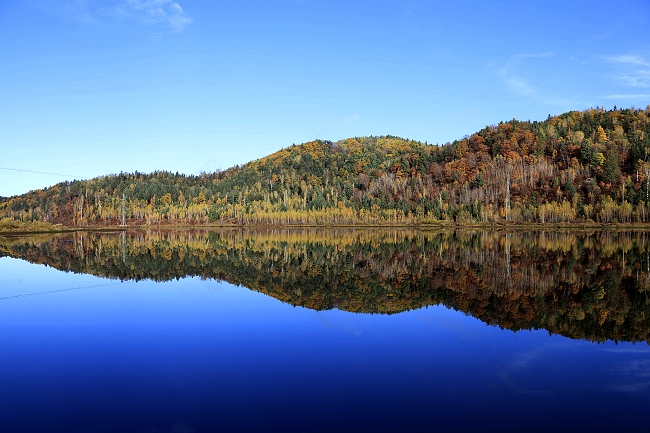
x=198, y=355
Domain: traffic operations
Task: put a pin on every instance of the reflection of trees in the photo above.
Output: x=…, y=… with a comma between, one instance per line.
x=591, y=285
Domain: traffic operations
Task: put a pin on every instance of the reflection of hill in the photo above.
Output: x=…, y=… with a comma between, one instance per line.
x=592, y=286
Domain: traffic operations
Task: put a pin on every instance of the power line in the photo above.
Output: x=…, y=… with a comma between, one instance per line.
x=44, y=172
x=57, y=291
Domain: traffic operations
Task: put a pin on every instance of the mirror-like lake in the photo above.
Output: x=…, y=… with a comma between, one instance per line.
x=324, y=330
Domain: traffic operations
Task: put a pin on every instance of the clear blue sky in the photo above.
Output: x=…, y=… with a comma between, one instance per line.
x=92, y=87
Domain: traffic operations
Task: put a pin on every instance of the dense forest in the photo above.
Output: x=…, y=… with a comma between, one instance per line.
x=581, y=166
x=593, y=285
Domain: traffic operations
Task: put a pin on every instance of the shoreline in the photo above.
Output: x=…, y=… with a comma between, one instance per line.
x=502, y=226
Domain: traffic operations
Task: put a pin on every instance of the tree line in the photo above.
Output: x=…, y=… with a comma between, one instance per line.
x=581, y=166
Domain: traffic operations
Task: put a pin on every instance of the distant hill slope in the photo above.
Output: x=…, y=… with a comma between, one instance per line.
x=579, y=166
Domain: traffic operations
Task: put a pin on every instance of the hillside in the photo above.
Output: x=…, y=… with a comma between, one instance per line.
x=576, y=167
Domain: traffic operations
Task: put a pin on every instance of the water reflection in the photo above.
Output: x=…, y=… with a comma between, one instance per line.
x=589, y=285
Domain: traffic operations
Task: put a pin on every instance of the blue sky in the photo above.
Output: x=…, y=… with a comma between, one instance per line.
x=95, y=87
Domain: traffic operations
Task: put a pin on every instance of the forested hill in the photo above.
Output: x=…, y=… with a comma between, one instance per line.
x=580, y=166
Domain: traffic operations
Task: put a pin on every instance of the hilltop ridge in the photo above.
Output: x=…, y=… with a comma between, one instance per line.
x=581, y=166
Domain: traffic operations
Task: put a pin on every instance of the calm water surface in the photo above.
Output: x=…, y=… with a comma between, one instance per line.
x=319, y=332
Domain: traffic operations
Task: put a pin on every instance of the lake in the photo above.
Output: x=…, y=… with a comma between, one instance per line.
x=324, y=330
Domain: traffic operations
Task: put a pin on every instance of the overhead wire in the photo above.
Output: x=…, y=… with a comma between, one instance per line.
x=25, y=295
x=44, y=172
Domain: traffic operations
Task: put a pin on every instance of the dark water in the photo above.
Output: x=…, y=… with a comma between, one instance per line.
x=324, y=331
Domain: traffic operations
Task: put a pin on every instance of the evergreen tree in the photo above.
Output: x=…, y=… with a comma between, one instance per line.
x=611, y=166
